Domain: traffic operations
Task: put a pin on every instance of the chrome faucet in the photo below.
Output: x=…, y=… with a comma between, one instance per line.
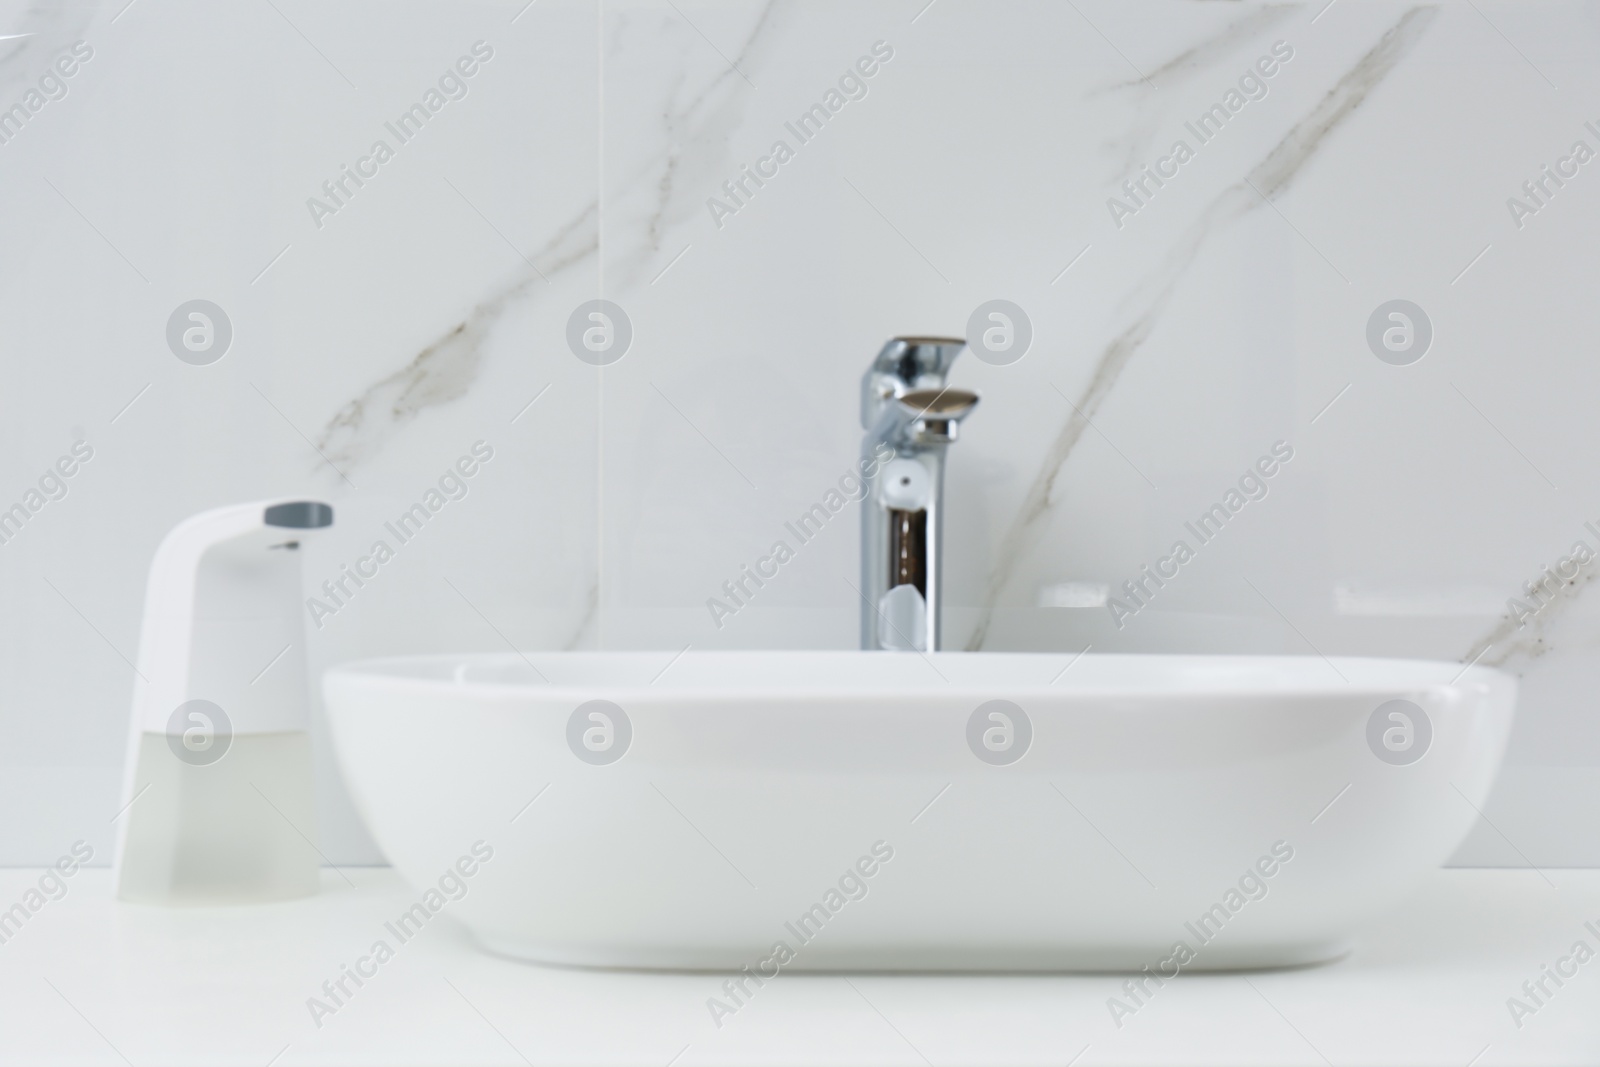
x=906, y=407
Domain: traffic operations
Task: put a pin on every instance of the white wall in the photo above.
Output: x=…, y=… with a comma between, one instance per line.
x=432, y=307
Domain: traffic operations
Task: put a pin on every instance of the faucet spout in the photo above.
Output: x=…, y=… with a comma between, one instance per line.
x=911, y=417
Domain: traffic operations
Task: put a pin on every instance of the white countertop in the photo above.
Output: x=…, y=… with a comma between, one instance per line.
x=90, y=981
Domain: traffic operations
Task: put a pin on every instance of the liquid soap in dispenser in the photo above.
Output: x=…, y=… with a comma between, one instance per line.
x=218, y=788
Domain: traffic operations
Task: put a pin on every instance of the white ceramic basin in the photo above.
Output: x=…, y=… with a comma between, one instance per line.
x=836, y=803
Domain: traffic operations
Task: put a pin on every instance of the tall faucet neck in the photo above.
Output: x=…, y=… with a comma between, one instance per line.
x=906, y=404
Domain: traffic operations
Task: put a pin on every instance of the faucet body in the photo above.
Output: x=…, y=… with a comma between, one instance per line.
x=910, y=418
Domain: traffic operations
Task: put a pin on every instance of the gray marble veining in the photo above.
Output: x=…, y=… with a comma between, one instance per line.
x=1272, y=175
x=1202, y=57
x=36, y=35
x=447, y=367
x=1512, y=639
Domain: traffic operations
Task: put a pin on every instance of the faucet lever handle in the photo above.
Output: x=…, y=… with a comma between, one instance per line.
x=934, y=414
x=903, y=365
x=938, y=403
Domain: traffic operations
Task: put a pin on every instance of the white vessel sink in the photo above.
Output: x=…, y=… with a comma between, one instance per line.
x=1254, y=810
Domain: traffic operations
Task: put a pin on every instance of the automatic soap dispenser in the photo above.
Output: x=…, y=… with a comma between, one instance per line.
x=218, y=787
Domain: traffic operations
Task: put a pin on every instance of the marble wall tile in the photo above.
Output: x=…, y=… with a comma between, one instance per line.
x=1175, y=339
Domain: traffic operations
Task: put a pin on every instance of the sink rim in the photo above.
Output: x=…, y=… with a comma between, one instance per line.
x=650, y=675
